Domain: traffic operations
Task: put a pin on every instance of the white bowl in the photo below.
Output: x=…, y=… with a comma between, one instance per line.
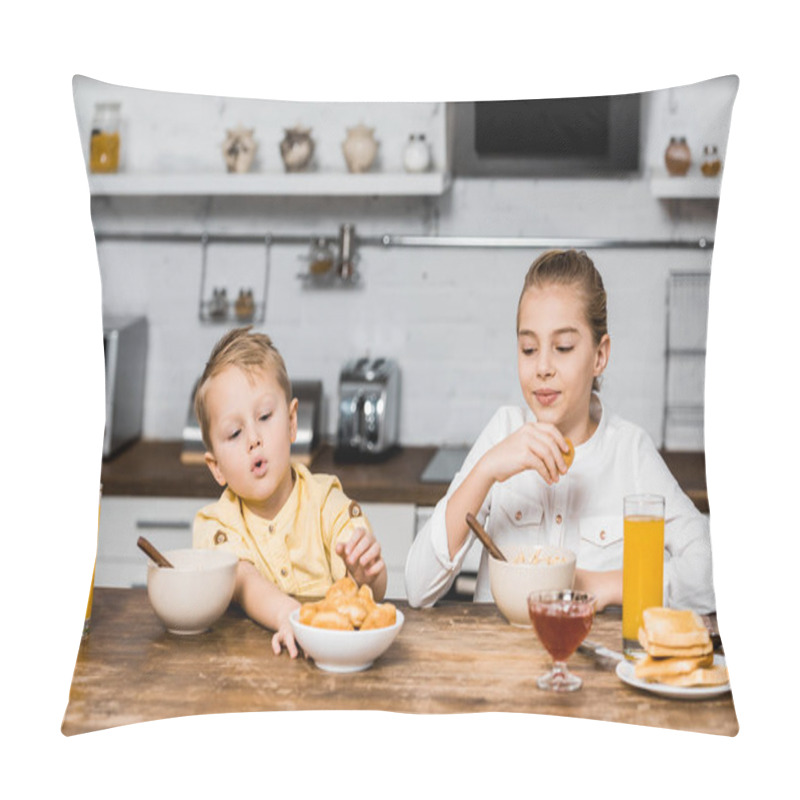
x=512, y=583
x=195, y=593
x=344, y=651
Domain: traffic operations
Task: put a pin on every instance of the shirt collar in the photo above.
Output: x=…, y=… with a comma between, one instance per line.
x=598, y=414
x=254, y=521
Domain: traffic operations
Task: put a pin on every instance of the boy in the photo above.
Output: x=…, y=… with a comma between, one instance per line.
x=295, y=533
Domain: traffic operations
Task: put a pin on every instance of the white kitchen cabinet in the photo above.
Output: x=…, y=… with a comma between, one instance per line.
x=167, y=523
x=393, y=524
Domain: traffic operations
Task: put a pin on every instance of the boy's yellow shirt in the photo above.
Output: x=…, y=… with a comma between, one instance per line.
x=297, y=549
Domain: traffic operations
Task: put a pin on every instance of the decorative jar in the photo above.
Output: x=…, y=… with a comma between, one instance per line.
x=677, y=156
x=239, y=149
x=360, y=148
x=297, y=148
x=417, y=155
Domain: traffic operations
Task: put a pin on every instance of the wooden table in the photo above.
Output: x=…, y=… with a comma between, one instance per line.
x=453, y=658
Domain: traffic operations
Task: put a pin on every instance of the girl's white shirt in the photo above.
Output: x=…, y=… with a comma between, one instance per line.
x=583, y=512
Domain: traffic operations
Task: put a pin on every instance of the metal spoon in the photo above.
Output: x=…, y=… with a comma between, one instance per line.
x=153, y=553
x=486, y=540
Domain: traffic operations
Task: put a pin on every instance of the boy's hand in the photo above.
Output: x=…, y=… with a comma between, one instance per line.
x=284, y=636
x=362, y=556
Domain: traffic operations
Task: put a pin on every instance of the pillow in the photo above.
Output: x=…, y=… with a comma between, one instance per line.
x=308, y=220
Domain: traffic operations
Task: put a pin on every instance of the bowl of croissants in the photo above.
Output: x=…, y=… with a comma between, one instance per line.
x=346, y=630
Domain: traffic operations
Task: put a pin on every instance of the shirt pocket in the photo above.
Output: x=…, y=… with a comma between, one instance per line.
x=520, y=512
x=601, y=532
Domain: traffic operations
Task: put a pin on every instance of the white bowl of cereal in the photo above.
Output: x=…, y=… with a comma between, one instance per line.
x=195, y=592
x=347, y=630
x=528, y=569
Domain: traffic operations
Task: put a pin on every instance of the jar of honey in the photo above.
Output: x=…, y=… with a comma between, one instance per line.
x=711, y=164
x=104, y=141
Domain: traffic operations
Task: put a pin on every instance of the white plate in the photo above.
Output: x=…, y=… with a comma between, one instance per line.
x=625, y=673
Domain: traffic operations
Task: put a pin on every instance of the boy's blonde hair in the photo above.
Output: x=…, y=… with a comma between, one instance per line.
x=572, y=268
x=251, y=352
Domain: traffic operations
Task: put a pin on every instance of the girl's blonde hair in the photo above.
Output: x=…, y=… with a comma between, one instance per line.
x=572, y=268
x=251, y=352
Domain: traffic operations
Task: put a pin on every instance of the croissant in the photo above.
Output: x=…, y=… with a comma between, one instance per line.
x=344, y=587
x=332, y=620
x=348, y=607
x=382, y=616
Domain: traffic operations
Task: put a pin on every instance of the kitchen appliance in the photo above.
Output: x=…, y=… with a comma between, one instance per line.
x=125, y=352
x=309, y=420
x=309, y=425
x=369, y=410
x=550, y=137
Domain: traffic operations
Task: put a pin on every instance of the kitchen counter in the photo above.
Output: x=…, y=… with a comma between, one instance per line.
x=154, y=469
x=453, y=658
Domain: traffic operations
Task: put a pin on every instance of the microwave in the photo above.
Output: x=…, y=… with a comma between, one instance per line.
x=548, y=138
x=125, y=352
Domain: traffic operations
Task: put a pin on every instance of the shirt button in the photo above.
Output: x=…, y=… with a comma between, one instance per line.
x=518, y=516
x=284, y=572
x=272, y=529
x=558, y=518
x=602, y=535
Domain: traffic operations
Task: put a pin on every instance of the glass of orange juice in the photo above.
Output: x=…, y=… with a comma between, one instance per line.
x=642, y=564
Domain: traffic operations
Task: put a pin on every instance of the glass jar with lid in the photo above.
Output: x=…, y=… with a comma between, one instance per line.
x=321, y=258
x=104, y=140
x=711, y=163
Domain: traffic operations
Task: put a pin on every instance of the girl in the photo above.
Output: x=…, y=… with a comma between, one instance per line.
x=515, y=479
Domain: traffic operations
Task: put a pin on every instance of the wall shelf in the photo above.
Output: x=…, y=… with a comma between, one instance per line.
x=692, y=186
x=270, y=184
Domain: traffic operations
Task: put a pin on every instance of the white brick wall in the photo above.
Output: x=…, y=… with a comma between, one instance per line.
x=446, y=315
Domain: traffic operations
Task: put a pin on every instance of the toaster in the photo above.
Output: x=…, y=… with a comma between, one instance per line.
x=369, y=410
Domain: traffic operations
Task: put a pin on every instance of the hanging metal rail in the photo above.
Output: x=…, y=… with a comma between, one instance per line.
x=406, y=240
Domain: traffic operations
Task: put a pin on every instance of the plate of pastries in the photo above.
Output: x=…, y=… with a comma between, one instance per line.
x=679, y=657
x=346, y=630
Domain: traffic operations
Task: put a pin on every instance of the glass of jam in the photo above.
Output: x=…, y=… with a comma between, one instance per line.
x=562, y=620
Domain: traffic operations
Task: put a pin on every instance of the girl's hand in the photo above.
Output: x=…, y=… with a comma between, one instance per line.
x=284, y=636
x=362, y=556
x=605, y=586
x=536, y=445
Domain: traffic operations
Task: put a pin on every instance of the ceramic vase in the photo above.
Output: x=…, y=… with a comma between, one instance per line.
x=360, y=148
x=677, y=156
x=297, y=148
x=239, y=149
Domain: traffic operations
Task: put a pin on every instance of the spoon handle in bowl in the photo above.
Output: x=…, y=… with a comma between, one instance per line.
x=153, y=553
x=486, y=540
